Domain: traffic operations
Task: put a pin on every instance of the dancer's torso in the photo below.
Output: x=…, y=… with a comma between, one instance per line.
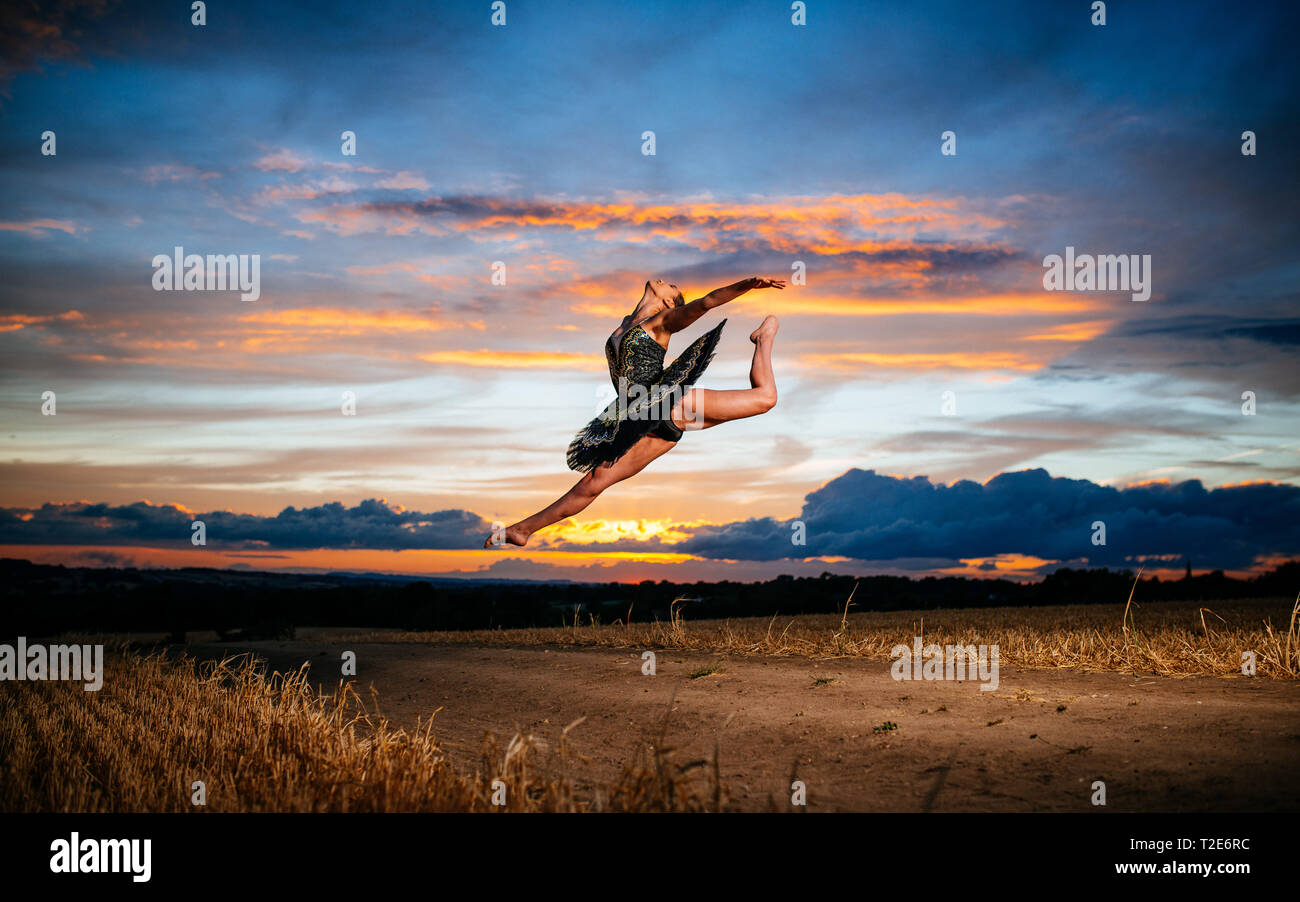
x=634, y=356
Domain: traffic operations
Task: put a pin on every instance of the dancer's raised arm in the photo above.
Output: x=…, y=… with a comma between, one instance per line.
x=678, y=318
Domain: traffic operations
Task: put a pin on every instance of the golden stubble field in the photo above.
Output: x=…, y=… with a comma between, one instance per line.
x=1174, y=639
x=262, y=732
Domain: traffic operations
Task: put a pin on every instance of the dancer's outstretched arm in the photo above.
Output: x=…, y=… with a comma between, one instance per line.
x=678, y=318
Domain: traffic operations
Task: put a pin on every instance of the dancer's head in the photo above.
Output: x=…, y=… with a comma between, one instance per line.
x=665, y=292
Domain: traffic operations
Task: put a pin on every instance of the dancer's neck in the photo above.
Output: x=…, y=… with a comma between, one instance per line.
x=643, y=310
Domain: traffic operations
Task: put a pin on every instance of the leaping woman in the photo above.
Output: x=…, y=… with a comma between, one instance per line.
x=655, y=404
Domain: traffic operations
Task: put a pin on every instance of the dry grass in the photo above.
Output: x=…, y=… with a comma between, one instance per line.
x=273, y=743
x=1174, y=639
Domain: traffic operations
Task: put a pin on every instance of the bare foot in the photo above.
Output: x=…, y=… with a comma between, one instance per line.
x=767, y=329
x=512, y=534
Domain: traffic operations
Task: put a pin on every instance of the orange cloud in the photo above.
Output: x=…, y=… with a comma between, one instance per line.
x=958, y=360
x=42, y=227
x=866, y=223
x=1073, y=332
x=1004, y=566
x=281, y=160
x=516, y=360
x=15, y=321
x=802, y=304
x=339, y=321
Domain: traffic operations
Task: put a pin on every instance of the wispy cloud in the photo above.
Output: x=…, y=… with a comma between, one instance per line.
x=41, y=227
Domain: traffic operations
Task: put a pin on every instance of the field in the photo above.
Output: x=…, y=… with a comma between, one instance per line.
x=1170, y=638
x=1149, y=700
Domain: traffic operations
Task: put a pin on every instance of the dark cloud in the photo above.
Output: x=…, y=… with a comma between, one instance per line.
x=1285, y=332
x=869, y=516
x=1225, y=353
x=371, y=524
x=36, y=32
x=862, y=515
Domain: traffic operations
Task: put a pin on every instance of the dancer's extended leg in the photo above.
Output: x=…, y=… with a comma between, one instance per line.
x=586, y=489
x=704, y=407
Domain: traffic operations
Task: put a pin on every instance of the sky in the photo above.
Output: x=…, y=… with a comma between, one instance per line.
x=940, y=410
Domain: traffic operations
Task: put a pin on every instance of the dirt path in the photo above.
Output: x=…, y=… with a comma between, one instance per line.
x=1037, y=743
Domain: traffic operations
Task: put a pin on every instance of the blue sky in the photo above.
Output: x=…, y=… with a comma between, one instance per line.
x=522, y=144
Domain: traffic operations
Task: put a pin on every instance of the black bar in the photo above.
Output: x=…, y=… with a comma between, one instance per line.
x=875, y=852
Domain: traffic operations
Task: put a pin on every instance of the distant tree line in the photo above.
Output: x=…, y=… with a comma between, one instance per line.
x=42, y=600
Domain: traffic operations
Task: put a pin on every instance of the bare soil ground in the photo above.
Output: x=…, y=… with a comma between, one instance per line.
x=1037, y=743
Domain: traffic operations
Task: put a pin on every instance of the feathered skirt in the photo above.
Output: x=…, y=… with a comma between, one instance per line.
x=634, y=414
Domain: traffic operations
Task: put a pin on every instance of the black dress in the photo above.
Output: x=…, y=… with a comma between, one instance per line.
x=646, y=391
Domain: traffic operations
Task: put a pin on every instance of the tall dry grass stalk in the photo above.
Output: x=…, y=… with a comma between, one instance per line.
x=272, y=742
x=1290, y=661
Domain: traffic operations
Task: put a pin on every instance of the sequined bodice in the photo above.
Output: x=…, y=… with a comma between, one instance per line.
x=638, y=358
x=647, y=392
